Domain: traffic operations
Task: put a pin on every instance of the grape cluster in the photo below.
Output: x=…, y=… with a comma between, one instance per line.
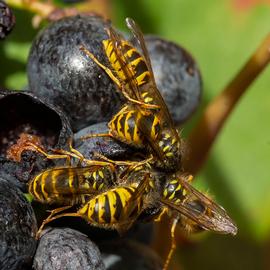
x=7, y=20
x=69, y=96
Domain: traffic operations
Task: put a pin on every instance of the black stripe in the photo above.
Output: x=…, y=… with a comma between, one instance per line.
x=75, y=182
x=122, y=123
x=125, y=47
x=157, y=128
x=117, y=206
x=107, y=211
x=96, y=211
x=131, y=125
x=134, y=56
x=140, y=68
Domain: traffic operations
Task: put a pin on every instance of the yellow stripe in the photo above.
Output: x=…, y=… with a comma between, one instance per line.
x=155, y=122
x=108, y=47
x=131, y=51
x=166, y=148
x=82, y=211
x=43, y=182
x=101, y=208
x=119, y=126
x=112, y=124
x=54, y=180
x=172, y=196
x=112, y=204
x=70, y=181
x=101, y=186
x=124, y=195
x=34, y=182
x=148, y=100
x=178, y=187
x=165, y=193
x=141, y=77
x=101, y=174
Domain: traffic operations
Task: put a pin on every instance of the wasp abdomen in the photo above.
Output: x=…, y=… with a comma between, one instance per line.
x=131, y=58
x=124, y=126
x=107, y=208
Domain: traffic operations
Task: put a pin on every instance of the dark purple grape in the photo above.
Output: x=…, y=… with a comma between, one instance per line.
x=60, y=73
x=7, y=20
x=17, y=228
x=67, y=249
x=177, y=76
x=106, y=146
x=22, y=114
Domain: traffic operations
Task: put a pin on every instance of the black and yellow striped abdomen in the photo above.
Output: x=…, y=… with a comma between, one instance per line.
x=110, y=207
x=58, y=184
x=126, y=124
x=130, y=59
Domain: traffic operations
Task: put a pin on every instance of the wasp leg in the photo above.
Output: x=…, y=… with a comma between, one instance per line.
x=50, y=218
x=77, y=154
x=96, y=135
x=159, y=217
x=173, y=244
x=51, y=156
x=132, y=164
x=117, y=81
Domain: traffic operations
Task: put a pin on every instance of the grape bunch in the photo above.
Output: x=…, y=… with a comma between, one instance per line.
x=69, y=96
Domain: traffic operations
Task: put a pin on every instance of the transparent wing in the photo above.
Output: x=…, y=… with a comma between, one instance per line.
x=202, y=210
x=70, y=180
x=117, y=39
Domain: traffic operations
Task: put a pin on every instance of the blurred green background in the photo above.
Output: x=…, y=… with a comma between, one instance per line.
x=221, y=35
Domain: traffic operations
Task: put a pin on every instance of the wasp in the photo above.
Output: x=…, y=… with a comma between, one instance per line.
x=145, y=119
x=112, y=206
x=141, y=189
x=72, y=184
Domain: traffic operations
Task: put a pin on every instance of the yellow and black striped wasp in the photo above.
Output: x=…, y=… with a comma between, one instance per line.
x=100, y=189
x=145, y=119
x=126, y=196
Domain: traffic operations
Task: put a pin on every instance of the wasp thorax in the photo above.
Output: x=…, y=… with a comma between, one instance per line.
x=170, y=148
x=173, y=190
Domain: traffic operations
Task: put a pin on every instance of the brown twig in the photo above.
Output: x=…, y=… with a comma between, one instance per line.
x=42, y=9
x=206, y=131
x=48, y=11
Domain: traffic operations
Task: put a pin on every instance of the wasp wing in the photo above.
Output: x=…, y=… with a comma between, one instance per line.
x=135, y=205
x=203, y=211
x=130, y=85
x=69, y=180
x=138, y=35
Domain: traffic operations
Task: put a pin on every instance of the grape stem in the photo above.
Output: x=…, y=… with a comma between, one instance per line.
x=217, y=112
x=50, y=12
x=206, y=131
